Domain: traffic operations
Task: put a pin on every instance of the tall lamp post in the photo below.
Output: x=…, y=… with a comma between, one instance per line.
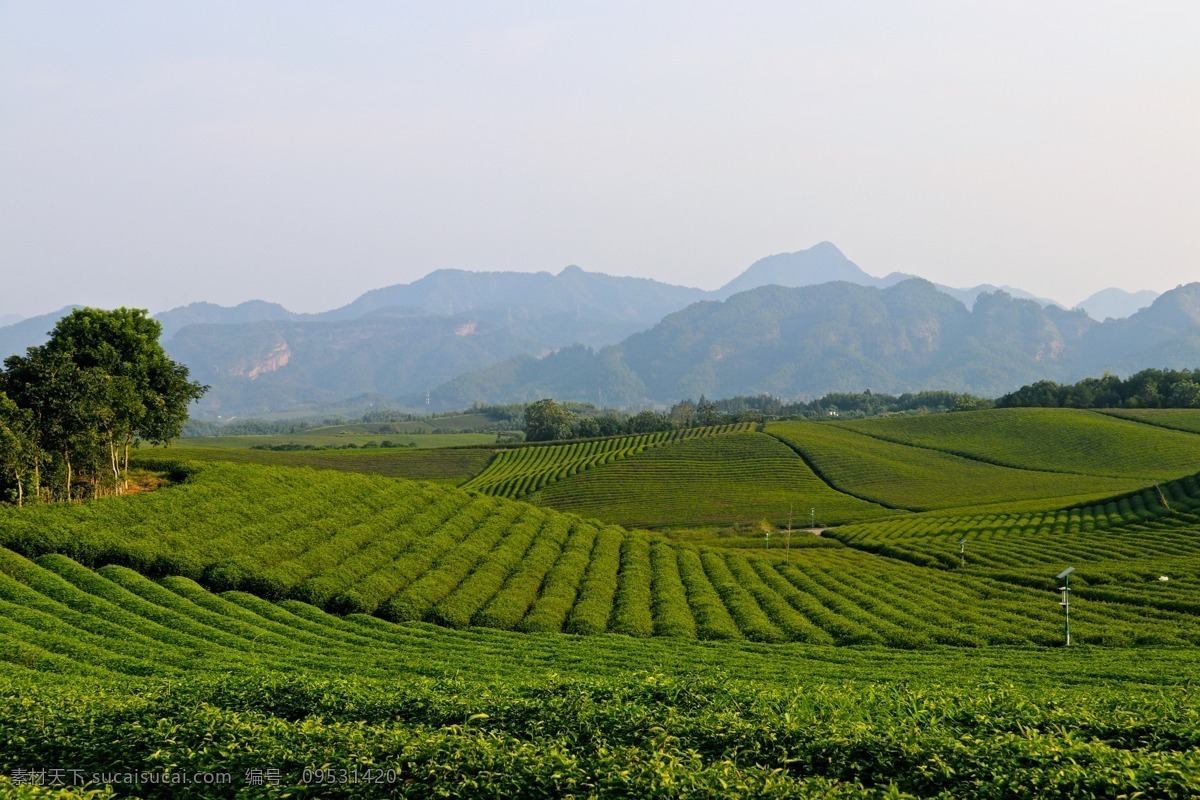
x=1064, y=576
x=787, y=551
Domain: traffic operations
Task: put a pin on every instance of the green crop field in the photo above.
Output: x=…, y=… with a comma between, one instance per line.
x=450, y=465
x=106, y=675
x=418, y=552
x=519, y=471
x=921, y=479
x=1139, y=550
x=735, y=477
x=1049, y=440
x=327, y=633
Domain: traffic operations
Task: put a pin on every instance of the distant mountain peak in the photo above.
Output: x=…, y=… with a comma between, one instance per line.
x=821, y=263
x=1116, y=303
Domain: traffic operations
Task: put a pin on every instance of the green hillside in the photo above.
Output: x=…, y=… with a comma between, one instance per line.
x=1051, y=440
x=1180, y=419
x=107, y=673
x=921, y=479
x=733, y=478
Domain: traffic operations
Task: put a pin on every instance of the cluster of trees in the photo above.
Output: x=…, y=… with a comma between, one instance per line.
x=71, y=409
x=547, y=420
x=857, y=404
x=1150, y=388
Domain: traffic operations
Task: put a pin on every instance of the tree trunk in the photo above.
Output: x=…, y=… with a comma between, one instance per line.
x=114, y=463
x=67, y=459
x=20, y=488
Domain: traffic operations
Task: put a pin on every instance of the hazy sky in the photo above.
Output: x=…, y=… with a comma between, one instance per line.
x=153, y=154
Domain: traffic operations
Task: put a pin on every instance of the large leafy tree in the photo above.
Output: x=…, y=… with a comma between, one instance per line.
x=100, y=384
x=546, y=420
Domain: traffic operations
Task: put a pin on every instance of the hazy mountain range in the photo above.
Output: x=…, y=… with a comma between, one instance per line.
x=791, y=324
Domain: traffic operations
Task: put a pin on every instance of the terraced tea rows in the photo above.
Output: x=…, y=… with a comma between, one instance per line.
x=736, y=477
x=1141, y=550
x=921, y=479
x=411, y=552
x=520, y=471
x=1049, y=440
x=107, y=673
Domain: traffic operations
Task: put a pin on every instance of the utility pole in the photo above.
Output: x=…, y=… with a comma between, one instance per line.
x=962, y=550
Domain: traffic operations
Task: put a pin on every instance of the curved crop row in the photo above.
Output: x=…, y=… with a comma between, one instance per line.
x=521, y=471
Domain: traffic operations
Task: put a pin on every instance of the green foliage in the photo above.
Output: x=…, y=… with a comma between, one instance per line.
x=100, y=384
x=546, y=420
x=18, y=448
x=1150, y=388
x=855, y=404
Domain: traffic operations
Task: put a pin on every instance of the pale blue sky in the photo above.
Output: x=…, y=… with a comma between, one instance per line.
x=154, y=154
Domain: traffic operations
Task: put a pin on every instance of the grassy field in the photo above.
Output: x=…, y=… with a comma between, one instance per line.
x=920, y=479
x=1049, y=440
x=736, y=477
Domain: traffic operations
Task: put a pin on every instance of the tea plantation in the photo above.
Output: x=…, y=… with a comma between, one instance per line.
x=259, y=629
x=109, y=676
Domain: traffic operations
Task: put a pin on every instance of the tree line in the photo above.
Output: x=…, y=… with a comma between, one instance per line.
x=548, y=420
x=72, y=409
x=1150, y=388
